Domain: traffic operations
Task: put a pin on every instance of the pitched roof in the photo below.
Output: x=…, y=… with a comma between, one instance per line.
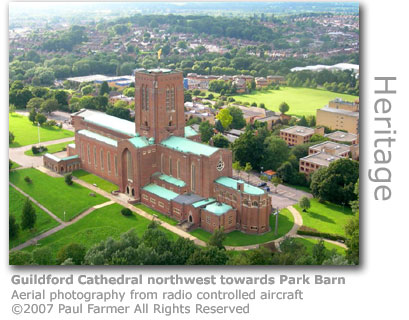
x=188, y=146
x=218, y=208
x=98, y=137
x=232, y=183
x=160, y=191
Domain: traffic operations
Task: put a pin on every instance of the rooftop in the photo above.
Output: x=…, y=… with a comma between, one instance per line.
x=340, y=111
x=299, y=130
x=188, y=198
x=232, y=183
x=190, y=132
x=218, y=208
x=188, y=146
x=139, y=142
x=342, y=136
x=330, y=146
x=203, y=202
x=322, y=158
x=160, y=191
x=110, y=122
x=98, y=137
x=172, y=180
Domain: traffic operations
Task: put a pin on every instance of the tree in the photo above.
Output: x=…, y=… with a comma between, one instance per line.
x=73, y=251
x=187, y=96
x=12, y=108
x=210, y=255
x=236, y=166
x=62, y=97
x=276, y=181
x=129, y=92
x=206, y=131
x=302, y=122
x=42, y=256
x=238, y=121
x=87, y=90
x=259, y=256
x=217, y=238
x=284, y=107
x=337, y=182
x=220, y=141
x=68, y=178
x=276, y=152
x=13, y=227
x=40, y=118
x=35, y=104
x=49, y=105
x=352, y=242
x=11, y=137
x=104, y=89
x=247, y=169
x=20, y=258
x=304, y=203
x=319, y=252
x=225, y=118
x=29, y=216
x=32, y=115
x=219, y=127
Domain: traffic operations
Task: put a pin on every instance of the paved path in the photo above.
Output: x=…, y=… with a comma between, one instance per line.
x=17, y=154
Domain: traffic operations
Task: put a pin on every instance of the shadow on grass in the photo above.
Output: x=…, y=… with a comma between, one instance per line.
x=318, y=216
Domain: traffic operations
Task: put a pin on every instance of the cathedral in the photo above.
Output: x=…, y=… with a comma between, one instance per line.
x=161, y=163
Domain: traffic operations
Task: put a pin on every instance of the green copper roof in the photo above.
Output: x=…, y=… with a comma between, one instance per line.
x=189, y=132
x=203, y=202
x=98, y=137
x=218, y=208
x=70, y=157
x=139, y=142
x=232, y=183
x=186, y=145
x=160, y=191
x=172, y=180
x=110, y=122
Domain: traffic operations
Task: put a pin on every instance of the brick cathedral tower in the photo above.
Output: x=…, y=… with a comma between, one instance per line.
x=159, y=104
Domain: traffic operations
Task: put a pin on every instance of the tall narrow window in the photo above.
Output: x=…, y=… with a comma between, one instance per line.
x=143, y=97
x=172, y=98
x=116, y=164
x=147, y=98
x=161, y=162
x=82, y=151
x=95, y=156
x=193, y=177
x=170, y=166
x=88, y=154
x=167, y=99
x=109, y=162
x=178, y=169
x=101, y=156
x=129, y=165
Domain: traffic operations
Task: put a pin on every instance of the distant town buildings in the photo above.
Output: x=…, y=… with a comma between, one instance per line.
x=343, y=137
x=297, y=135
x=118, y=82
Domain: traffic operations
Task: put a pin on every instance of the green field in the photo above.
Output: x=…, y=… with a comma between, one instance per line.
x=326, y=217
x=26, y=132
x=309, y=244
x=97, y=226
x=93, y=179
x=14, y=165
x=50, y=149
x=237, y=238
x=43, y=223
x=55, y=194
x=160, y=216
x=302, y=101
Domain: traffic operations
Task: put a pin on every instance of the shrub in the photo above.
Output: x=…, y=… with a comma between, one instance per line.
x=19, y=258
x=73, y=251
x=11, y=137
x=50, y=123
x=27, y=179
x=37, y=150
x=42, y=256
x=13, y=227
x=29, y=215
x=68, y=178
x=126, y=212
x=320, y=234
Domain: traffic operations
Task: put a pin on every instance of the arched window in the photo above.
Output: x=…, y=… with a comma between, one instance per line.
x=178, y=169
x=101, y=155
x=109, y=162
x=245, y=202
x=95, y=156
x=88, y=154
x=255, y=204
x=143, y=97
x=129, y=166
x=116, y=164
x=170, y=166
x=193, y=177
x=147, y=98
x=161, y=162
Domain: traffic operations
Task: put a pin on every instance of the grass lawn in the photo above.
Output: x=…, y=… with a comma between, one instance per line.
x=93, y=179
x=309, y=244
x=14, y=165
x=26, y=133
x=54, y=193
x=302, y=101
x=160, y=216
x=237, y=238
x=97, y=226
x=50, y=149
x=326, y=217
x=302, y=188
x=43, y=223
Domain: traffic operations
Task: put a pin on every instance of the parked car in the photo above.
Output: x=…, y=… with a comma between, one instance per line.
x=267, y=189
x=262, y=184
